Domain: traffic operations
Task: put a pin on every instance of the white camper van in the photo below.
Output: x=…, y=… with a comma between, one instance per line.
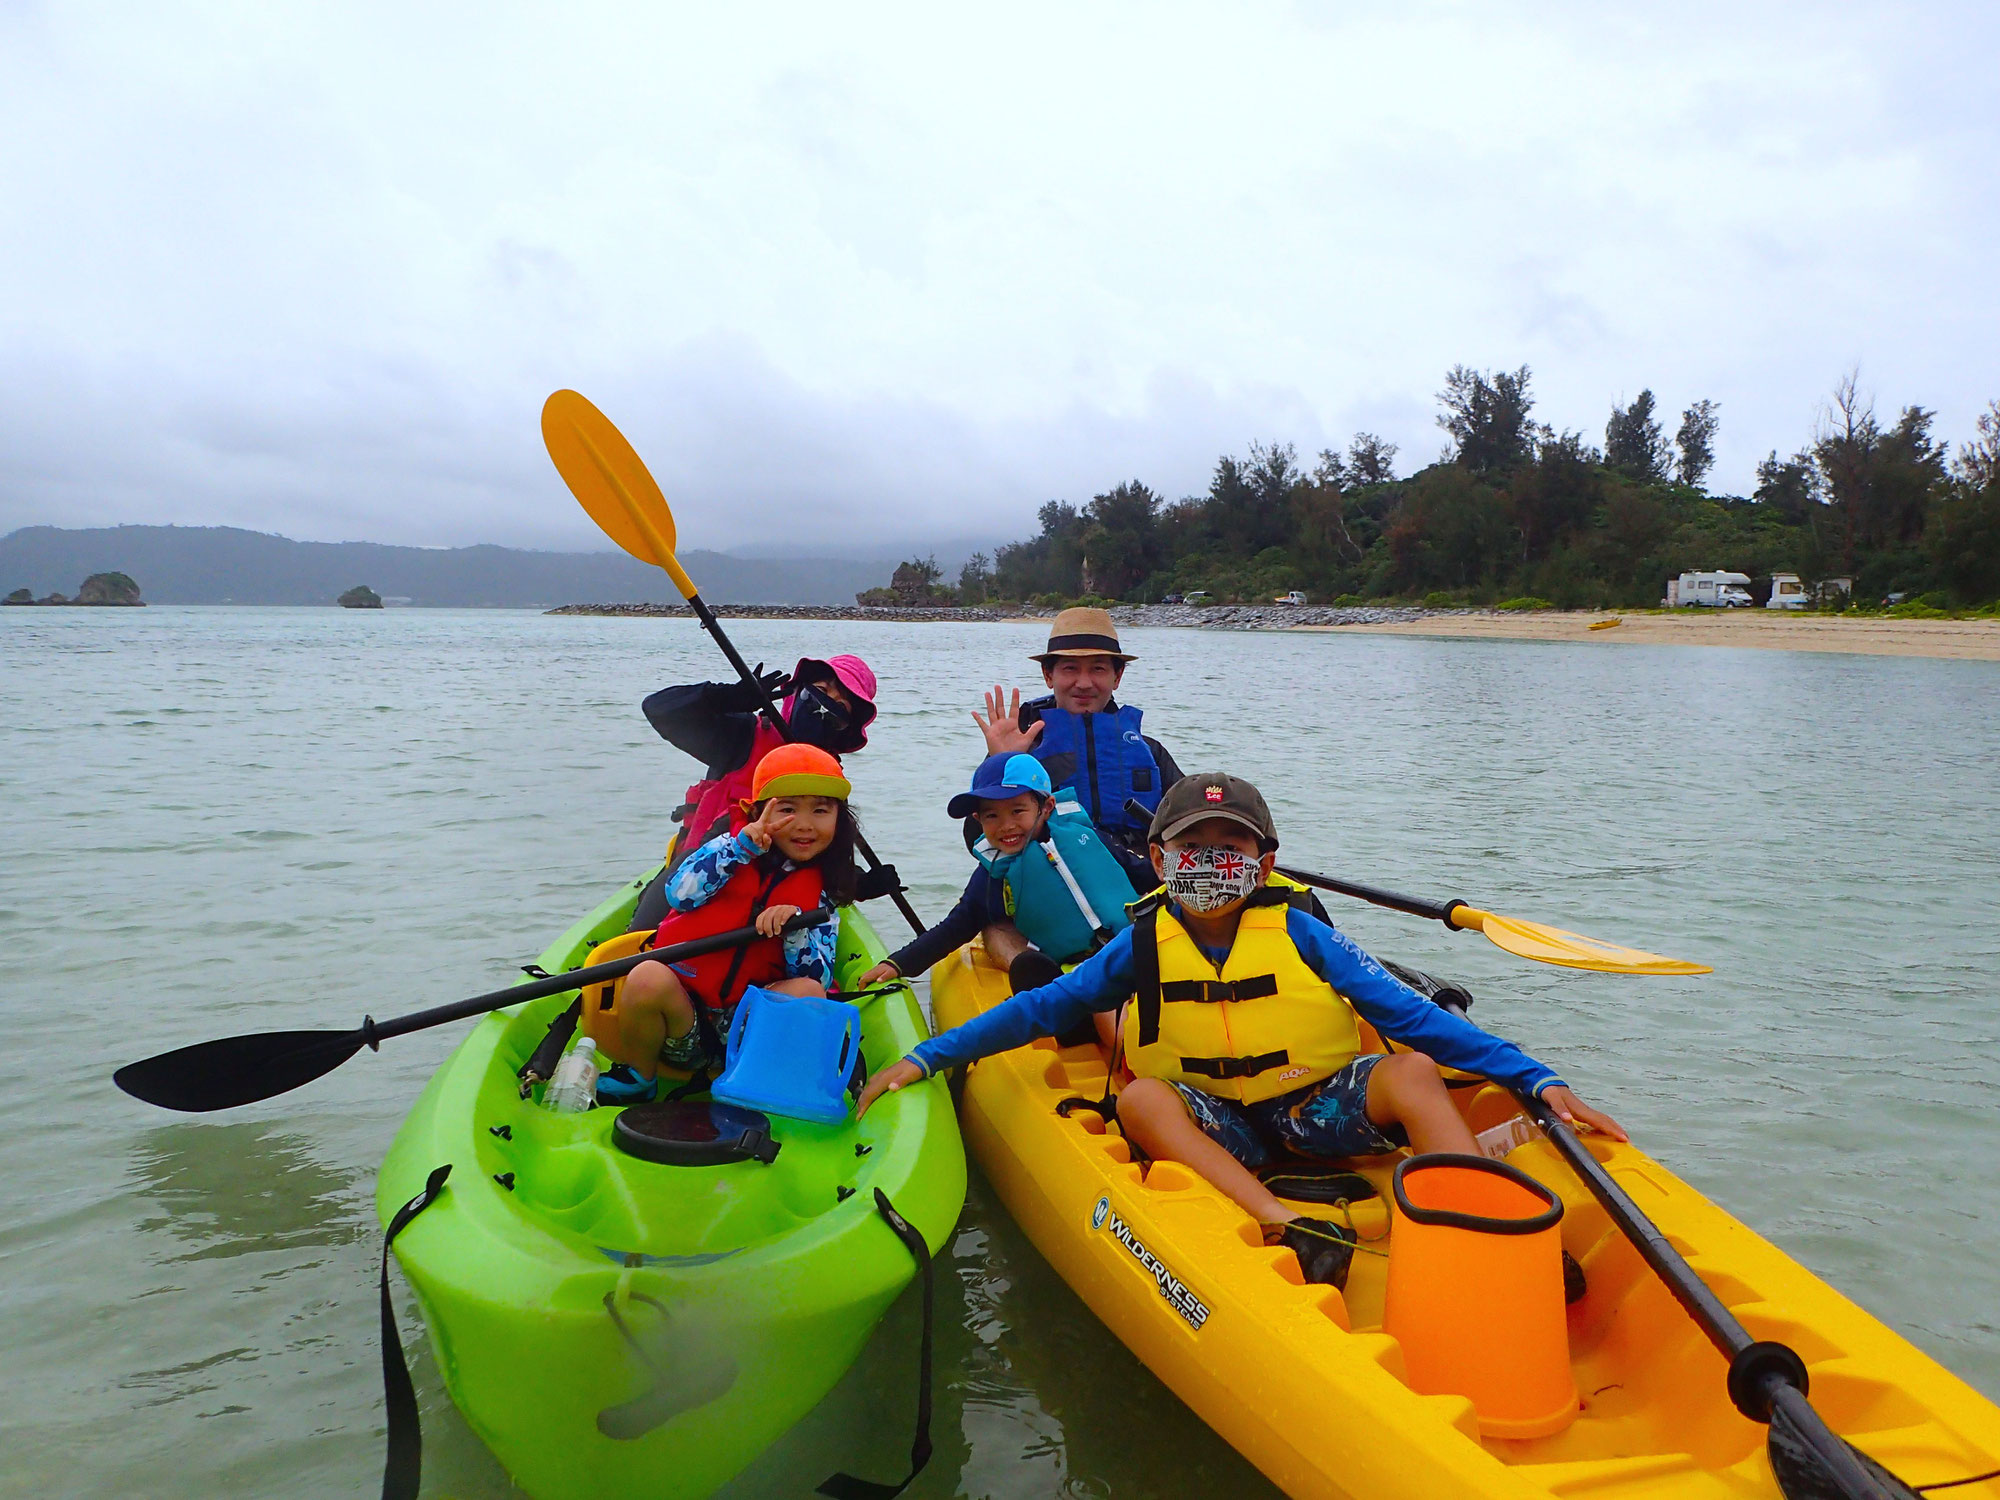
x=1787, y=592
x=1710, y=590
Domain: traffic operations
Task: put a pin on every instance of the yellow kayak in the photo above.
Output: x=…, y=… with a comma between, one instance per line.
x=1304, y=1381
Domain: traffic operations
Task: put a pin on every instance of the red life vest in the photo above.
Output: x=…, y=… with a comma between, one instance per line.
x=711, y=806
x=719, y=979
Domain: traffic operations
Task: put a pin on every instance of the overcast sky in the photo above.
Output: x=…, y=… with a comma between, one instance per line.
x=314, y=269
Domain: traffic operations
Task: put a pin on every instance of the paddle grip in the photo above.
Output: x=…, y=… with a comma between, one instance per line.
x=1415, y=906
x=575, y=979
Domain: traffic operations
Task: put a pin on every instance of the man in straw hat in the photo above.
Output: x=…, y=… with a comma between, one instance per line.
x=1083, y=736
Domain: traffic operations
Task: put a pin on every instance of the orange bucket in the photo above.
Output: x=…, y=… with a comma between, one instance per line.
x=1476, y=1292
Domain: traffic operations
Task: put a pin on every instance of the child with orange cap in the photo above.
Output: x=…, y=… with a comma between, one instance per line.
x=790, y=849
x=828, y=703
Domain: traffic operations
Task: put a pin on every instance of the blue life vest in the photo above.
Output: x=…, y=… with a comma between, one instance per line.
x=1040, y=900
x=1104, y=759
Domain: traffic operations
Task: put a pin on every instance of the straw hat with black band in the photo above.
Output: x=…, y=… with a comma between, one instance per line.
x=1082, y=632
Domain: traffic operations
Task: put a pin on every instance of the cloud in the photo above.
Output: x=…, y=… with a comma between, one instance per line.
x=314, y=269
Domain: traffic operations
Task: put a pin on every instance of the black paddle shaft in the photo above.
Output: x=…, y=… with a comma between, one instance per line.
x=1416, y=906
x=777, y=721
x=236, y=1070
x=572, y=979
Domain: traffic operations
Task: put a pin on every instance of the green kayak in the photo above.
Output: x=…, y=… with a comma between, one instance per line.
x=612, y=1326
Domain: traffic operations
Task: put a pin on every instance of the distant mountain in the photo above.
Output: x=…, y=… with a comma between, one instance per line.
x=227, y=565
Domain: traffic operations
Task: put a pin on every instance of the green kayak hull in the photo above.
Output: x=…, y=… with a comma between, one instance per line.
x=698, y=1311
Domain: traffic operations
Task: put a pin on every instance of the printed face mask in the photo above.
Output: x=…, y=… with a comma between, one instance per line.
x=1205, y=880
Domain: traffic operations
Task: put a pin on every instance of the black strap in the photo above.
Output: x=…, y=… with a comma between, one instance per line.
x=1234, y=1067
x=1217, y=991
x=1146, y=972
x=846, y=1486
x=403, y=1469
x=1106, y=1109
x=541, y=1063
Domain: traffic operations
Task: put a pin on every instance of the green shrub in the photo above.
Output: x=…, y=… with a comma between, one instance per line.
x=1915, y=609
x=1349, y=601
x=1439, y=599
x=1525, y=602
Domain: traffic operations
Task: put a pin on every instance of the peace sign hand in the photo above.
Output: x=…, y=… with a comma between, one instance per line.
x=770, y=824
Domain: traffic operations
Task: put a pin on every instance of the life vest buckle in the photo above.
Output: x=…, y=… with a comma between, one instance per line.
x=1225, y=1068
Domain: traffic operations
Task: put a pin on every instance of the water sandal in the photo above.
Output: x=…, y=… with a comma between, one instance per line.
x=619, y=1085
x=1325, y=1250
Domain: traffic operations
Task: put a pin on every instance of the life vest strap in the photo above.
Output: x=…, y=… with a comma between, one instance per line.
x=1220, y=991
x=1146, y=972
x=1235, y=1067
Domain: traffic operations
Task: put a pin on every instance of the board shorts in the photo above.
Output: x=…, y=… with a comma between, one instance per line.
x=1328, y=1118
x=686, y=1052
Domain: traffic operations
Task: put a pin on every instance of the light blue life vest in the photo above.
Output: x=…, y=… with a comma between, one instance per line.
x=1104, y=760
x=1044, y=905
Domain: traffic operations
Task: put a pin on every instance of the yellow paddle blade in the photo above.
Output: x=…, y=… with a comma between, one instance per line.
x=1552, y=945
x=611, y=483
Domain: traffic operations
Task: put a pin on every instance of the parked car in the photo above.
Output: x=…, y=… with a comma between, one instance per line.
x=1787, y=592
x=1170, y=599
x=1195, y=596
x=1709, y=590
x=1296, y=596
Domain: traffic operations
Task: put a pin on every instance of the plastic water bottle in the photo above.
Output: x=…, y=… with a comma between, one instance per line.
x=574, y=1087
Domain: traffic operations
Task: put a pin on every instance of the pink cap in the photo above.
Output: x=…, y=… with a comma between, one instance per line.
x=854, y=676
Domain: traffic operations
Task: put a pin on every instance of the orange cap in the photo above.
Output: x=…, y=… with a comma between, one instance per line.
x=798, y=771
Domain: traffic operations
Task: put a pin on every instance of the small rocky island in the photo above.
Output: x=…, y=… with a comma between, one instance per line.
x=98, y=588
x=360, y=597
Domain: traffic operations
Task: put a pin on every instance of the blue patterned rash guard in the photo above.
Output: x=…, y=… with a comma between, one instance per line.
x=809, y=952
x=1105, y=982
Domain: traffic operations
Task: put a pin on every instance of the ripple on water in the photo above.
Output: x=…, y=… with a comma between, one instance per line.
x=1831, y=1084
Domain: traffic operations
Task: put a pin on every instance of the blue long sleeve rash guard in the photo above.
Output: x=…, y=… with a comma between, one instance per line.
x=1105, y=981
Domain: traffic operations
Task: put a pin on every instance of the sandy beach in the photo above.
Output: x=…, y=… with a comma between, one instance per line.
x=1964, y=640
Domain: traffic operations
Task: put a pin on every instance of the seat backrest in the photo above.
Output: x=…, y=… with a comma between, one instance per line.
x=791, y=1055
x=603, y=996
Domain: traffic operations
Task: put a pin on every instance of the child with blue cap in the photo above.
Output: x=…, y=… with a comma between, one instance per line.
x=1047, y=891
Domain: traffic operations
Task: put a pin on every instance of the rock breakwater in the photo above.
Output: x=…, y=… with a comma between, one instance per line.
x=1196, y=617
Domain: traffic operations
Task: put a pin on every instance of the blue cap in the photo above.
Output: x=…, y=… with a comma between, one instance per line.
x=998, y=778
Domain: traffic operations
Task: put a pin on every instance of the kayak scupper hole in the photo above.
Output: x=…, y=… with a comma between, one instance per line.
x=553, y=1180
x=1169, y=1177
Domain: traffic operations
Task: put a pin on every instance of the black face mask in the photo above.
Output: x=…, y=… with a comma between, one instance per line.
x=816, y=719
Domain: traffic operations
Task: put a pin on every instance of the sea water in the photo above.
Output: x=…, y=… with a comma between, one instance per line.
x=227, y=820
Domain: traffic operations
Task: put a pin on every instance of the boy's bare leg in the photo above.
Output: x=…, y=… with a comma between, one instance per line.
x=1154, y=1117
x=651, y=1007
x=1406, y=1089
x=810, y=987
x=1004, y=943
x=1106, y=1022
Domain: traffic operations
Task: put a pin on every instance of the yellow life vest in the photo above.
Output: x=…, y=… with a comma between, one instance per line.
x=1264, y=1025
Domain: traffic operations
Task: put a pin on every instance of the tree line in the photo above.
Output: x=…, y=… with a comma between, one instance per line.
x=1518, y=509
